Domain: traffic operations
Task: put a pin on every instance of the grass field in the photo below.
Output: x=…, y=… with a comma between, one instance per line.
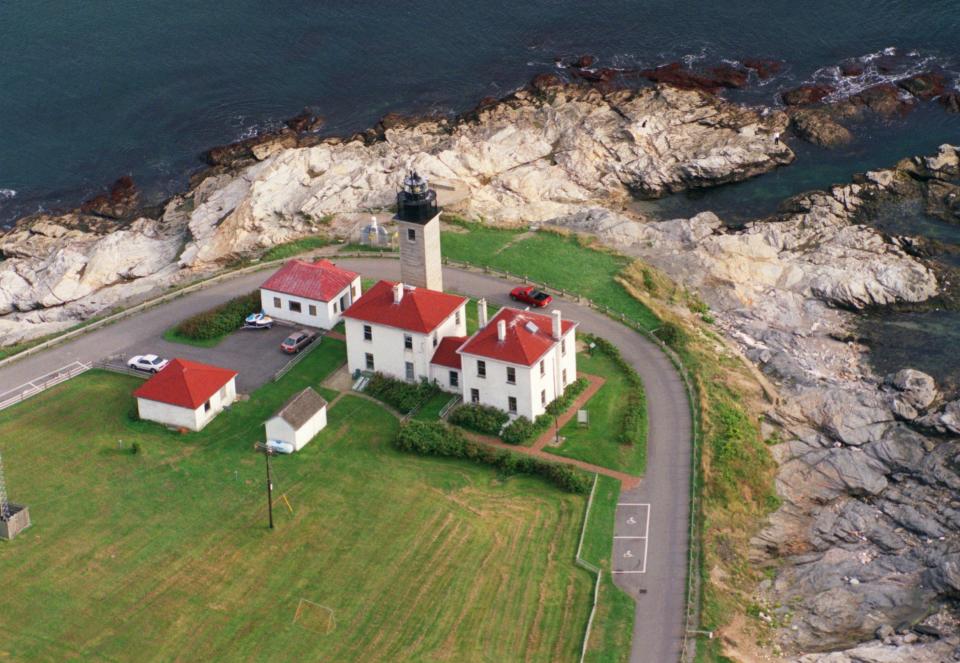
x=431, y=409
x=166, y=554
x=598, y=443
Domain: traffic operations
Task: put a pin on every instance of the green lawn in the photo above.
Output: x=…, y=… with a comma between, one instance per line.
x=598, y=443
x=558, y=261
x=431, y=409
x=290, y=249
x=166, y=554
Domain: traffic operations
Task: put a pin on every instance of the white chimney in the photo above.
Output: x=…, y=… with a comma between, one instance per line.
x=557, y=327
x=482, y=312
x=501, y=330
x=397, y=292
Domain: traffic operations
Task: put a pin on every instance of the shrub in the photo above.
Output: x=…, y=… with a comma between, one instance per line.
x=434, y=438
x=479, y=418
x=671, y=334
x=403, y=396
x=518, y=431
x=633, y=424
x=574, y=389
x=221, y=320
x=135, y=448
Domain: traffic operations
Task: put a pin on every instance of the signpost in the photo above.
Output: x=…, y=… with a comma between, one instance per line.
x=267, y=452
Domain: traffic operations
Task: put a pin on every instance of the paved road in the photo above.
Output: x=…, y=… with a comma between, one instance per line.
x=653, y=517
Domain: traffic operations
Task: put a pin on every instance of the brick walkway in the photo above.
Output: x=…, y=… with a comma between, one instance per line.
x=595, y=383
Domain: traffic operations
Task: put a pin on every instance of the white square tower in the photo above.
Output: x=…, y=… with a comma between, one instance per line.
x=418, y=220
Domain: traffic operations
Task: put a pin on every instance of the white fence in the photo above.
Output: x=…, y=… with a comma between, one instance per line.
x=590, y=567
x=25, y=391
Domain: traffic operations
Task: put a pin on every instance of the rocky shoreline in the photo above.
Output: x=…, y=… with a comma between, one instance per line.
x=865, y=543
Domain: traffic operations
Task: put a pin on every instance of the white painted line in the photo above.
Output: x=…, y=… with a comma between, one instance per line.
x=634, y=504
x=629, y=571
x=629, y=537
x=646, y=540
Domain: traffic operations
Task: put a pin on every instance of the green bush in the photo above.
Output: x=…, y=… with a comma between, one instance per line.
x=135, y=448
x=671, y=334
x=633, y=425
x=434, y=438
x=403, y=396
x=574, y=389
x=518, y=431
x=221, y=320
x=483, y=419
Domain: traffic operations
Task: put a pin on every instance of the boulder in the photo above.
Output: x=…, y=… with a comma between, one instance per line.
x=305, y=122
x=806, y=94
x=883, y=99
x=120, y=202
x=924, y=86
x=916, y=388
x=764, y=68
x=817, y=127
x=851, y=68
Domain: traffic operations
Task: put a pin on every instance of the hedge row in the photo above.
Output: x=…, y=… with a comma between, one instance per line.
x=484, y=419
x=433, y=438
x=403, y=396
x=633, y=425
x=559, y=405
x=221, y=320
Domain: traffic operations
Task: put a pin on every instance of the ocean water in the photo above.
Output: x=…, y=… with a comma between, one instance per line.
x=90, y=91
x=94, y=90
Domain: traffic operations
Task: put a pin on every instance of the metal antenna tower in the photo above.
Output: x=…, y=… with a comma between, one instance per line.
x=4, y=504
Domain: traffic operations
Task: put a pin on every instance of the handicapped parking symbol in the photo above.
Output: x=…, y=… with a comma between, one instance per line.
x=631, y=520
x=628, y=554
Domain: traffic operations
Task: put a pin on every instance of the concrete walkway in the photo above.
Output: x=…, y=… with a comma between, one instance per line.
x=658, y=628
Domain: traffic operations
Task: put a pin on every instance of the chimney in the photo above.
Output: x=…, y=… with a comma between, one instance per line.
x=501, y=330
x=397, y=292
x=482, y=312
x=557, y=327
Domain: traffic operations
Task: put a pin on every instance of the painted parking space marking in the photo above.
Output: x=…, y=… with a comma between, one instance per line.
x=631, y=543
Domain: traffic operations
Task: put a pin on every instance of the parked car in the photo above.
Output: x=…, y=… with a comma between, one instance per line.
x=258, y=321
x=297, y=341
x=530, y=295
x=148, y=363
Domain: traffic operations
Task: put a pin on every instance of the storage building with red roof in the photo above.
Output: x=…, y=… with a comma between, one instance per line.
x=186, y=394
x=519, y=362
x=397, y=329
x=314, y=294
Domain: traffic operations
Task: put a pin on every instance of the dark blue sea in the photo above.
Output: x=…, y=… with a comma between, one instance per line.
x=93, y=90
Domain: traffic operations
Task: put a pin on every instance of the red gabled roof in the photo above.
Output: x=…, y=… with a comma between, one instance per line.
x=185, y=383
x=521, y=346
x=446, y=354
x=420, y=310
x=320, y=281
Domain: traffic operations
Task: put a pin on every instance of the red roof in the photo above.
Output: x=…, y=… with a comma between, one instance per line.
x=446, y=354
x=420, y=310
x=185, y=383
x=320, y=281
x=521, y=346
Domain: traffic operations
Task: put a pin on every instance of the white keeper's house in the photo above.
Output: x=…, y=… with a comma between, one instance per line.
x=314, y=294
x=396, y=329
x=519, y=362
x=186, y=394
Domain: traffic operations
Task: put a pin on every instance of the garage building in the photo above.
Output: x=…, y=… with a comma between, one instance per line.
x=186, y=394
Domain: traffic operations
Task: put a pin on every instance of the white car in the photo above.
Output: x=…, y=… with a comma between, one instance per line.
x=148, y=363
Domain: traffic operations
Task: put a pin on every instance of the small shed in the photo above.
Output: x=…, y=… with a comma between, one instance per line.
x=186, y=394
x=299, y=420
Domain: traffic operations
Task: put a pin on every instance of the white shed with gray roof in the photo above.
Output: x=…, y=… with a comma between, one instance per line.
x=299, y=420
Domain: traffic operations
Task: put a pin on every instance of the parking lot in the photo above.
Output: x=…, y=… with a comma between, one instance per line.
x=631, y=543
x=254, y=353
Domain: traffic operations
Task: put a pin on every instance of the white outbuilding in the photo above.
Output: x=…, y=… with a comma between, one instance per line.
x=299, y=420
x=314, y=294
x=186, y=394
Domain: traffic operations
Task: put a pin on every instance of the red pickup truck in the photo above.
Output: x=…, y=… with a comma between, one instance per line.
x=530, y=295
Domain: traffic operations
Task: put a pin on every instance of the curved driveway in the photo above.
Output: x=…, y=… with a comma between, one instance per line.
x=654, y=535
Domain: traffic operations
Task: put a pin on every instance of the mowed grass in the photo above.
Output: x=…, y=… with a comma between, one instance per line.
x=431, y=409
x=555, y=260
x=166, y=555
x=599, y=442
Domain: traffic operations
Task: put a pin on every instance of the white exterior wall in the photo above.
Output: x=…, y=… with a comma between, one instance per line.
x=387, y=346
x=495, y=391
x=278, y=429
x=441, y=375
x=325, y=318
x=182, y=417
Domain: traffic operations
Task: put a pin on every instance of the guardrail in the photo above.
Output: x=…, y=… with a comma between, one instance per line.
x=297, y=359
x=122, y=370
x=43, y=383
x=452, y=403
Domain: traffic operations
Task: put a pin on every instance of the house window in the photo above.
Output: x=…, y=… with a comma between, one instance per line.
x=563, y=348
x=353, y=291
x=543, y=368
x=206, y=406
x=411, y=235
x=481, y=369
x=564, y=373
x=543, y=397
x=369, y=358
x=511, y=375
x=409, y=368
x=335, y=308
x=512, y=405
x=454, y=379
x=474, y=395
x=367, y=333
x=434, y=339
x=277, y=303
x=407, y=342
x=312, y=309
x=456, y=317
x=294, y=306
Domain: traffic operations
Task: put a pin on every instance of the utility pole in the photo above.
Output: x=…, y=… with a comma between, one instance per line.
x=267, y=452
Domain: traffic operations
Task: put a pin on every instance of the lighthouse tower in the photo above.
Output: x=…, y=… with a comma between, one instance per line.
x=418, y=219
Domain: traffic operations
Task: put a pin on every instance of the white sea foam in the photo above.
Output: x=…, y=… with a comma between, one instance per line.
x=7, y=194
